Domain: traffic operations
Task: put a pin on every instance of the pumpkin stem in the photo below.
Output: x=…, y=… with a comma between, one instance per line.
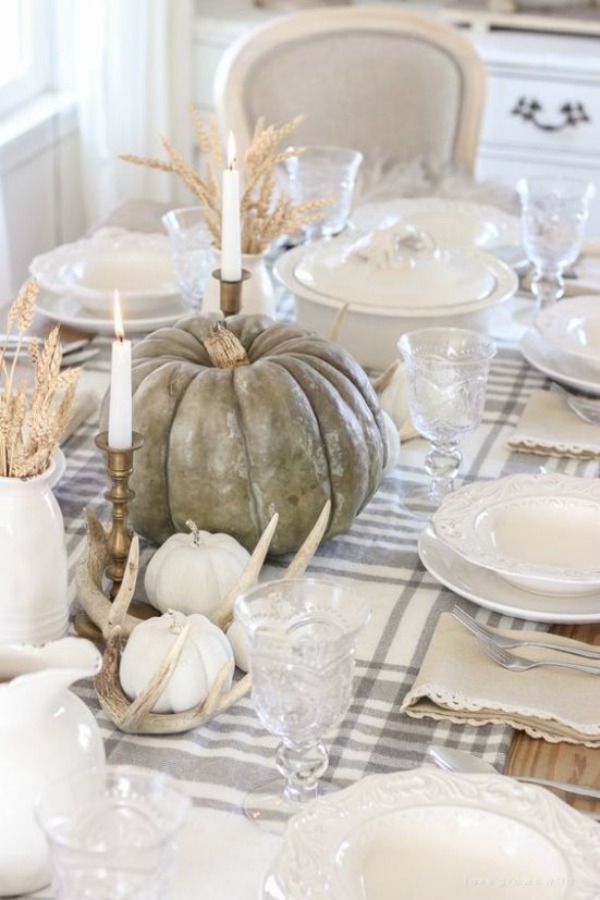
x=195, y=532
x=224, y=349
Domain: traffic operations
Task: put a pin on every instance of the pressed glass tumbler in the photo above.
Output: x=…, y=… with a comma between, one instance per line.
x=191, y=251
x=111, y=833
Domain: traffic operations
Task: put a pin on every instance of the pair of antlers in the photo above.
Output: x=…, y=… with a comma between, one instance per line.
x=115, y=623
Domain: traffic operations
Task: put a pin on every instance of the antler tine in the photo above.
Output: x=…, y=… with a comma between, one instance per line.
x=120, y=604
x=211, y=702
x=144, y=702
x=300, y=562
x=224, y=613
x=336, y=325
x=382, y=381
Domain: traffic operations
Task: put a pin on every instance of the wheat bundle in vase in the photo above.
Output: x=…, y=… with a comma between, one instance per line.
x=266, y=212
x=33, y=416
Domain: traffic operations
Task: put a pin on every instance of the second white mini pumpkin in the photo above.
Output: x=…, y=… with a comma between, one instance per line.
x=193, y=572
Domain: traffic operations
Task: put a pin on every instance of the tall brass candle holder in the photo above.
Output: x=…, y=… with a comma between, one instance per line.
x=230, y=292
x=119, y=464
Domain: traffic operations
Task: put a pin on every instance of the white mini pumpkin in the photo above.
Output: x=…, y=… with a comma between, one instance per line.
x=240, y=646
x=205, y=652
x=392, y=442
x=193, y=572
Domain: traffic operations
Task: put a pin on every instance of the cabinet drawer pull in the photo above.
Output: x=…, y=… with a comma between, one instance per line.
x=529, y=109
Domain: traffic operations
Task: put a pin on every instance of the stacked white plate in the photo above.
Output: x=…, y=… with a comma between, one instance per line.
x=565, y=343
x=524, y=545
x=390, y=281
x=78, y=281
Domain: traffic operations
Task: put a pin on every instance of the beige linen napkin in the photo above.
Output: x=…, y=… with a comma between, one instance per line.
x=549, y=428
x=459, y=683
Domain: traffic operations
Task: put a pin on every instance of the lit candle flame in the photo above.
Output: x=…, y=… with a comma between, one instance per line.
x=119, y=330
x=231, y=151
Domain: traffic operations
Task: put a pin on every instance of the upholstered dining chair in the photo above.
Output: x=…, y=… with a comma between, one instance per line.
x=394, y=84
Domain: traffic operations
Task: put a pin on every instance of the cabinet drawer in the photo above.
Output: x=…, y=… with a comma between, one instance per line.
x=545, y=114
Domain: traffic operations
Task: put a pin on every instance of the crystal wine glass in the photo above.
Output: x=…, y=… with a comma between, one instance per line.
x=554, y=212
x=446, y=372
x=191, y=251
x=301, y=636
x=320, y=172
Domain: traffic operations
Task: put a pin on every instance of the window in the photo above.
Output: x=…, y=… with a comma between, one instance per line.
x=25, y=51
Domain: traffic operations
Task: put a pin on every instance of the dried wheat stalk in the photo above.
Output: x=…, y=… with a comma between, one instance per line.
x=266, y=213
x=32, y=419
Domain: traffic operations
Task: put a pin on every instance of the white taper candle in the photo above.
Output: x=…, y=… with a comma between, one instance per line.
x=120, y=409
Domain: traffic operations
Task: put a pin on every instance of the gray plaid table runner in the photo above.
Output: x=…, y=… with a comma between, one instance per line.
x=378, y=557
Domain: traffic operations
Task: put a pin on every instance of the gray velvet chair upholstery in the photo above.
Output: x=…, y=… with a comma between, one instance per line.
x=391, y=83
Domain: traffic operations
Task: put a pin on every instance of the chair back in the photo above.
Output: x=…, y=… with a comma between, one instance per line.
x=394, y=84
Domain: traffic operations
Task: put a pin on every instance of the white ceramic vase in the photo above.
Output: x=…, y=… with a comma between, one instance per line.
x=258, y=295
x=46, y=734
x=34, y=606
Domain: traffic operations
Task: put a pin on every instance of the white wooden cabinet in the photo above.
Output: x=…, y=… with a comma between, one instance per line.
x=543, y=108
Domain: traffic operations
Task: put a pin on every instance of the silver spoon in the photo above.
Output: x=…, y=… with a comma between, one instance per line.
x=587, y=408
x=459, y=761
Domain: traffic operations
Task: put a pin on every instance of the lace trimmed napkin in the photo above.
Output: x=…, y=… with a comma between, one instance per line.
x=459, y=683
x=548, y=427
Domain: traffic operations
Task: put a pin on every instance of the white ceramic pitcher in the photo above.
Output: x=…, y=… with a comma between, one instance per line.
x=34, y=604
x=46, y=733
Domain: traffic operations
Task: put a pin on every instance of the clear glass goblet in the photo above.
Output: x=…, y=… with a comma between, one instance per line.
x=301, y=638
x=111, y=833
x=446, y=373
x=320, y=172
x=554, y=212
x=191, y=251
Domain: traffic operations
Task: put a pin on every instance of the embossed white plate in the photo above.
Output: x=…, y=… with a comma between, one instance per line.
x=137, y=264
x=567, y=370
x=425, y=834
x=573, y=327
x=457, y=223
x=490, y=591
x=69, y=311
x=540, y=532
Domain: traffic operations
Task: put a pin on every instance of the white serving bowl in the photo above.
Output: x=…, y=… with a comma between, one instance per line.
x=136, y=264
x=370, y=332
x=572, y=327
x=539, y=532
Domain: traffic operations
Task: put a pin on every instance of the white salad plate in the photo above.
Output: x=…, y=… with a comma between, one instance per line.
x=488, y=590
x=138, y=265
x=456, y=223
x=370, y=333
x=573, y=327
x=425, y=834
x=538, y=532
x=559, y=366
x=69, y=311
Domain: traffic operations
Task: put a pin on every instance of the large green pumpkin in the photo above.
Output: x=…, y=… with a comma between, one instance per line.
x=279, y=420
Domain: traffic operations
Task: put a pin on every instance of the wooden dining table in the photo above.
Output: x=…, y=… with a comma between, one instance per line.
x=377, y=555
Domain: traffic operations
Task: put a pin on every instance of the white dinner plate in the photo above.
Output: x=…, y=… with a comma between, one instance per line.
x=425, y=834
x=138, y=264
x=69, y=311
x=567, y=370
x=573, y=327
x=540, y=532
x=457, y=223
x=489, y=590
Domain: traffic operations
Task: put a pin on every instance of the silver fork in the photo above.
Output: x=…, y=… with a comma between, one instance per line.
x=485, y=633
x=521, y=664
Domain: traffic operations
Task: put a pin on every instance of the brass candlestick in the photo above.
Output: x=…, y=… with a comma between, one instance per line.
x=120, y=467
x=230, y=293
